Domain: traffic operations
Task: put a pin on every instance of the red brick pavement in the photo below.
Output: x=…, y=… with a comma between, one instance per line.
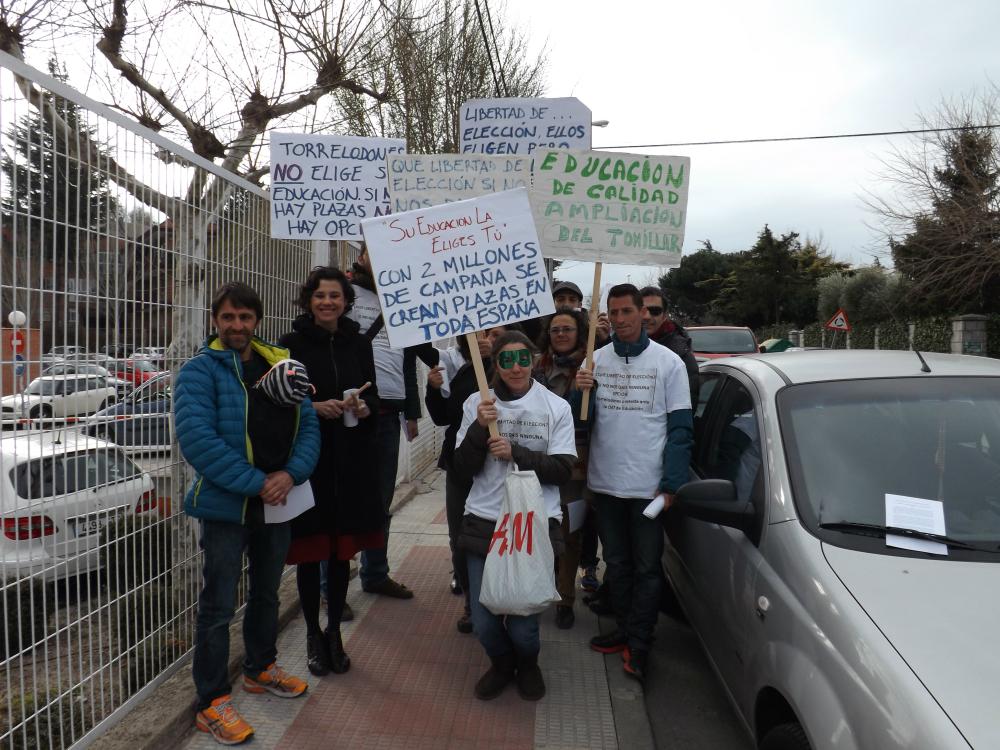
x=411, y=679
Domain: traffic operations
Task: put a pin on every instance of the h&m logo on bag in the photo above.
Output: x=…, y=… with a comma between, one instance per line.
x=522, y=534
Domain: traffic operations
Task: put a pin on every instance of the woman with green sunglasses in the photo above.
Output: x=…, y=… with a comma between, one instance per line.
x=536, y=434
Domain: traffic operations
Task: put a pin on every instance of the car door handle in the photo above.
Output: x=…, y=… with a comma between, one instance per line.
x=763, y=605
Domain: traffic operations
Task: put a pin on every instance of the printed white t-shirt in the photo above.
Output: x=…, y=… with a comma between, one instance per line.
x=388, y=361
x=540, y=421
x=631, y=403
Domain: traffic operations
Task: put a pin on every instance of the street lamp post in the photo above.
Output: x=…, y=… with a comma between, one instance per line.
x=16, y=318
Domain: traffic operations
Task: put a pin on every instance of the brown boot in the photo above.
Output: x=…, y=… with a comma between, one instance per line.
x=530, y=684
x=497, y=677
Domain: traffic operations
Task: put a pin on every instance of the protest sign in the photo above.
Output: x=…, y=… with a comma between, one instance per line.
x=458, y=268
x=523, y=127
x=421, y=181
x=610, y=207
x=322, y=186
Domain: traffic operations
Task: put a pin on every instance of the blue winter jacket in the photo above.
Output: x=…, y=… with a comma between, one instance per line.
x=210, y=418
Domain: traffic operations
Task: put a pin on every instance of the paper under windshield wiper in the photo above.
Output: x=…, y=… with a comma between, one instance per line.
x=875, y=529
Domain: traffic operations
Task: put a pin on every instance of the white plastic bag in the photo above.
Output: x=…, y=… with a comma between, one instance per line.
x=519, y=577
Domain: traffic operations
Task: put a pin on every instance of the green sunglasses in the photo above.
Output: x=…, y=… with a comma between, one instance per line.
x=507, y=358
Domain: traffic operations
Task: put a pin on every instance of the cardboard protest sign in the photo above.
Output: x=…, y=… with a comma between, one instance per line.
x=609, y=207
x=458, y=268
x=424, y=180
x=522, y=127
x=322, y=186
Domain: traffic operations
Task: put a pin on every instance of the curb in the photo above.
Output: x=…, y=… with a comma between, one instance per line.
x=163, y=719
x=167, y=715
x=628, y=701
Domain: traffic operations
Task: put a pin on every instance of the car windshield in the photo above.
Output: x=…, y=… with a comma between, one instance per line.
x=45, y=387
x=154, y=390
x=722, y=341
x=71, y=472
x=850, y=443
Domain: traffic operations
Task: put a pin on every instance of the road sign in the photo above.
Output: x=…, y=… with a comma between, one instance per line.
x=838, y=322
x=19, y=367
x=16, y=340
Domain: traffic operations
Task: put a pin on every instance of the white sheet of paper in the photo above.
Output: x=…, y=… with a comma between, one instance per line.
x=577, y=510
x=299, y=500
x=917, y=514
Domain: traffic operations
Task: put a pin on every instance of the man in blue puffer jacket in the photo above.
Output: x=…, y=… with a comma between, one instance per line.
x=248, y=451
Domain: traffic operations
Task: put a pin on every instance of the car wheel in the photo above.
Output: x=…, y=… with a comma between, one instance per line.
x=789, y=736
x=106, y=403
x=41, y=412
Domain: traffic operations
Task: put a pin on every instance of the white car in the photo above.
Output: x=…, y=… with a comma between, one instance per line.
x=63, y=353
x=57, y=491
x=64, y=397
x=121, y=385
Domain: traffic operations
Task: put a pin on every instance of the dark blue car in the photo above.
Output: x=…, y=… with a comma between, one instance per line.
x=141, y=421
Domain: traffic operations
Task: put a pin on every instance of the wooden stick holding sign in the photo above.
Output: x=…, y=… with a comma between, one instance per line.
x=595, y=303
x=477, y=365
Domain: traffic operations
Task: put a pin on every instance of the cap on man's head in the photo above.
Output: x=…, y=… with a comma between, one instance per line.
x=567, y=286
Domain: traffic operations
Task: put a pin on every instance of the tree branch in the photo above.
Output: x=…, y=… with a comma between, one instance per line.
x=203, y=141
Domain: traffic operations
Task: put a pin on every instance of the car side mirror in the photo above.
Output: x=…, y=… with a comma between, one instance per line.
x=715, y=501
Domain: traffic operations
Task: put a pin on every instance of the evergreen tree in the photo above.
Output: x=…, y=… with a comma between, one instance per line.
x=52, y=194
x=951, y=258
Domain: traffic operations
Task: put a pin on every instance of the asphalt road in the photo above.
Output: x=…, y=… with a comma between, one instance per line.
x=687, y=707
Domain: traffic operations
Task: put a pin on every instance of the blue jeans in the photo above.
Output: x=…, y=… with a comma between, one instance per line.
x=499, y=634
x=633, y=546
x=375, y=562
x=223, y=543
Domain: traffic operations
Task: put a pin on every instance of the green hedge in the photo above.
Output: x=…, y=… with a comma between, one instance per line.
x=993, y=335
x=894, y=336
x=863, y=337
x=933, y=335
x=812, y=334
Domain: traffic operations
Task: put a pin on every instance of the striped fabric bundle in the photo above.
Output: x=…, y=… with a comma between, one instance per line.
x=286, y=384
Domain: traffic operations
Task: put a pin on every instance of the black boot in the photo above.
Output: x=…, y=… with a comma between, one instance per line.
x=317, y=654
x=340, y=662
x=497, y=677
x=530, y=684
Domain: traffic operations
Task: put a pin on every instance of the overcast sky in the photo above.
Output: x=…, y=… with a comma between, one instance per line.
x=667, y=72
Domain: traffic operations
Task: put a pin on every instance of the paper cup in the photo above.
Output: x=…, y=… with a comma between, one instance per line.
x=350, y=419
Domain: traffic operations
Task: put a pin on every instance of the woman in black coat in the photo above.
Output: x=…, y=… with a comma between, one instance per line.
x=348, y=516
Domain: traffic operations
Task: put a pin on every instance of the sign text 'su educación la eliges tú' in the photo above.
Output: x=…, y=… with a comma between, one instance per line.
x=458, y=268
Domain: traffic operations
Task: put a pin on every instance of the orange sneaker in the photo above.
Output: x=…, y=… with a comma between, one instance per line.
x=277, y=681
x=223, y=722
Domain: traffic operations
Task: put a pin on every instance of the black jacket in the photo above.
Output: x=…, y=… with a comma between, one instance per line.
x=675, y=338
x=447, y=412
x=344, y=482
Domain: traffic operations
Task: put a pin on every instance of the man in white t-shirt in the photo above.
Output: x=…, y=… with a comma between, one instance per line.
x=640, y=447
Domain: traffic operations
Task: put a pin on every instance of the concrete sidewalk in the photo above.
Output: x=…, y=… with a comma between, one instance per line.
x=412, y=673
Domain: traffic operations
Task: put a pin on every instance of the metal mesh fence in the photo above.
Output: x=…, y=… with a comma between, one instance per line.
x=111, y=239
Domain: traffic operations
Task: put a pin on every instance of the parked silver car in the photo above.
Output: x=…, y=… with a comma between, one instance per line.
x=823, y=634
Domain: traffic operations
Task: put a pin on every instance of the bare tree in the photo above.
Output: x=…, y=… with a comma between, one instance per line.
x=216, y=73
x=941, y=217
x=437, y=56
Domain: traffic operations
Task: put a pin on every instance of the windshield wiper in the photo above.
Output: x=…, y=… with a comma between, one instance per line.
x=879, y=530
